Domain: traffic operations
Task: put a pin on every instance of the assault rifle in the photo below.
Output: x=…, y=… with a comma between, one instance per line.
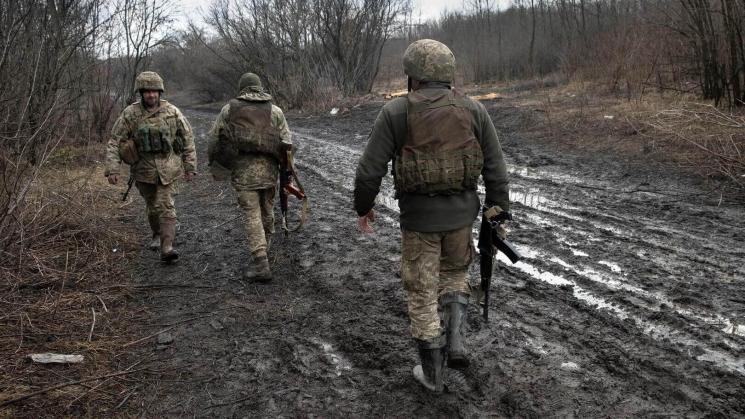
x=130, y=182
x=289, y=184
x=489, y=244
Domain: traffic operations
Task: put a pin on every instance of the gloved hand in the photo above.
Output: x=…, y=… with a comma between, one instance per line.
x=491, y=213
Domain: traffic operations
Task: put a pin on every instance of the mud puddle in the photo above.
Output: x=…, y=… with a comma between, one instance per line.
x=614, y=312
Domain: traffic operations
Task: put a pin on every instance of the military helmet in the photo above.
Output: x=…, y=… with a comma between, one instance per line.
x=249, y=80
x=429, y=60
x=148, y=80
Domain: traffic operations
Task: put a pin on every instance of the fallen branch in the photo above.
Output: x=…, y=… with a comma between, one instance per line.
x=93, y=325
x=148, y=337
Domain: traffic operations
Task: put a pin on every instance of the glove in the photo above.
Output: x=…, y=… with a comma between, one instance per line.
x=492, y=212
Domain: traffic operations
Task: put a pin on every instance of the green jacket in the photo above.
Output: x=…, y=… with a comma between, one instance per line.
x=426, y=213
x=153, y=168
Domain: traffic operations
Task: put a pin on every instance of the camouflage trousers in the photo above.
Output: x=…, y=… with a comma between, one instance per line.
x=433, y=264
x=258, y=209
x=158, y=201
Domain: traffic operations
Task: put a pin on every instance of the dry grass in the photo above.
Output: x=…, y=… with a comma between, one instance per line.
x=70, y=263
x=670, y=129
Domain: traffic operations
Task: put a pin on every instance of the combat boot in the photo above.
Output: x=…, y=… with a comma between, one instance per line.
x=167, y=235
x=454, y=307
x=154, y=222
x=259, y=271
x=432, y=354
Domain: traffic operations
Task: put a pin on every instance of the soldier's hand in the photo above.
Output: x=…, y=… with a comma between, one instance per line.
x=363, y=223
x=113, y=179
x=189, y=176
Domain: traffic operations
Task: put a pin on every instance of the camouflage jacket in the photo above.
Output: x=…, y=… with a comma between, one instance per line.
x=153, y=167
x=253, y=171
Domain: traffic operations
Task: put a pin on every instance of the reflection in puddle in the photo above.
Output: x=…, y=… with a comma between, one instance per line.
x=333, y=153
x=334, y=358
x=580, y=253
x=613, y=267
x=530, y=198
x=543, y=174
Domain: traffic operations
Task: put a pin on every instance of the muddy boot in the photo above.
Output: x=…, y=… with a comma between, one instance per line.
x=259, y=271
x=154, y=222
x=167, y=235
x=432, y=355
x=454, y=306
x=154, y=242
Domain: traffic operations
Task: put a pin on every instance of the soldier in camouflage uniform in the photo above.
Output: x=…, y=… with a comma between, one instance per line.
x=154, y=138
x=440, y=142
x=246, y=141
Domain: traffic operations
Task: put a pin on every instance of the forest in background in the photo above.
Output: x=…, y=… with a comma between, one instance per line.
x=68, y=67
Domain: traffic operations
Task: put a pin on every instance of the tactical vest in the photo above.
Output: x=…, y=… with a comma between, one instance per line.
x=249, y=128
x=441, y=155
x=158, y=135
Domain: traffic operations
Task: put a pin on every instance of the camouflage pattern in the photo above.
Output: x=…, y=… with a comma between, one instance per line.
x=148, y=80
x=254, y=176
x=258, y=209
x=253, y=172
x=158, y=201
x=433, y=265
x=155, y=168
x=429, y=60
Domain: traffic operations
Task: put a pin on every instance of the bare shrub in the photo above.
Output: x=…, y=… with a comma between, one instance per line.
x=716, y=139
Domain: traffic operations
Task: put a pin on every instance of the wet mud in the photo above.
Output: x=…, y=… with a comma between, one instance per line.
x=629, y=301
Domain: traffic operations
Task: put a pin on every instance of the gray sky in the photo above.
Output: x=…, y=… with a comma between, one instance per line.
x=427, y=9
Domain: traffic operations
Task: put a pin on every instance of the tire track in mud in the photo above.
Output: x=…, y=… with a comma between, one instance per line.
x=329, y=336
x=590, y=283
x=590, y=350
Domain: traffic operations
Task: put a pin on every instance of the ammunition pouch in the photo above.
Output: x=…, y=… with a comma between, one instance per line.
x=128, y=151
x=438, y=173
x=159, y=137
x=223, y=152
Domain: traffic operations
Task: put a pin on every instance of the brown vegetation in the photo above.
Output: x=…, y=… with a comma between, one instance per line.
x=67, y=68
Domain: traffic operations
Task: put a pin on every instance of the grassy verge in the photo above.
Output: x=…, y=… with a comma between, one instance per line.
x=64, y=289
x=669, y=130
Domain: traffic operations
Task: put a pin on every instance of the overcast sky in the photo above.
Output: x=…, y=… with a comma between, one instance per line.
x=427, y=9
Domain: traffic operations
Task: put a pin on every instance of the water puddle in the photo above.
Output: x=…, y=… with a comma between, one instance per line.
x=654, y=330
x=613, y=267
x=333, y=358
x=579, y=253
x=532, y=198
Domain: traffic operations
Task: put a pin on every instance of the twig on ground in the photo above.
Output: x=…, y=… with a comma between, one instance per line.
x=93, y=324
x=68, y=384
x=134, y=342
x=103, y=304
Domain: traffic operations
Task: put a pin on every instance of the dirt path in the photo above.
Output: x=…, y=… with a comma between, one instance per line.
x=627, y=304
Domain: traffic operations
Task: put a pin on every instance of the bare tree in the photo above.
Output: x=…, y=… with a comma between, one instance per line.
x=140, y=26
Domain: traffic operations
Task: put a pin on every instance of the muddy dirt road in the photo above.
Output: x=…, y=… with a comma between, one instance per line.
x=629, y=301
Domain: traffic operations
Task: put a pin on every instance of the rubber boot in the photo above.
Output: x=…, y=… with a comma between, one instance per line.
x=154, y=222
x=432, y=354
x=167, y=235
x=259, y=271
x=454, y=307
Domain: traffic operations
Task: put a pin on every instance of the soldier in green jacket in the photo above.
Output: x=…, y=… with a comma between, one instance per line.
x=247, y=139
x=154, y=138
x=440, y=142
